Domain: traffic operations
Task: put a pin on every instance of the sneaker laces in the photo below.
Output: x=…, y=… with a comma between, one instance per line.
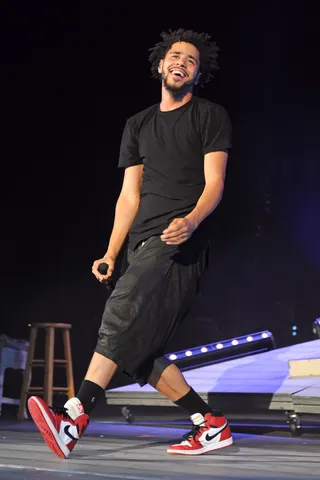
x=61, y=411
x=194, y=431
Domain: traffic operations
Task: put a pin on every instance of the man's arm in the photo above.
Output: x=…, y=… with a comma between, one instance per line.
x=125, y=213
x=126, y=208
x=215, y=164
x=181, y=229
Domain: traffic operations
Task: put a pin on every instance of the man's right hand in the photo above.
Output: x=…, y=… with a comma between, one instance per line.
x=106, y=259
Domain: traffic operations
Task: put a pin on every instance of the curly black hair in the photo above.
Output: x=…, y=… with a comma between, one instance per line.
x=208, y=51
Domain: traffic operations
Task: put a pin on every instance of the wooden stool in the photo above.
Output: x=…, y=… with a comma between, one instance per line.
x=48, y=363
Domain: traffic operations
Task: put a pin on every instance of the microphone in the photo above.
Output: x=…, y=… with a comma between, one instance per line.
x=103, y=269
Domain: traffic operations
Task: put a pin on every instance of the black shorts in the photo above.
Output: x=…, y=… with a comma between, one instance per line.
x=148, y=303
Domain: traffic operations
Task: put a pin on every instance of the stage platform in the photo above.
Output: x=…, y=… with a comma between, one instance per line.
x=115, y=450
x=252, y=384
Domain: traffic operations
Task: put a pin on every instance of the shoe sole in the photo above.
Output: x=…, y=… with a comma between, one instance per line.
x=46, y=428
x=200, y=451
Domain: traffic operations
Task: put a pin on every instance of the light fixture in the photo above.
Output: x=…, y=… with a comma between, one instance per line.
x=225, y=350
x=316, y=328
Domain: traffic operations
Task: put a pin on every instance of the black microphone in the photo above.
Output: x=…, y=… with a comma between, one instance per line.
x=103, y=269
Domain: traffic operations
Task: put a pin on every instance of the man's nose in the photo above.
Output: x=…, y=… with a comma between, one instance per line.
x=181, y=61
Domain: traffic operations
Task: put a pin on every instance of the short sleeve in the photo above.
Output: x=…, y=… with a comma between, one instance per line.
x=129, y=148
x=216, y=129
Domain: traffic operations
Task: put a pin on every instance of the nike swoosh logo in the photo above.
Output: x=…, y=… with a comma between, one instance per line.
x=211, y=437
x=66, y=431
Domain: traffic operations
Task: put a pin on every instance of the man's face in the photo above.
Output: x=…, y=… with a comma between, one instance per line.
x=180, y=68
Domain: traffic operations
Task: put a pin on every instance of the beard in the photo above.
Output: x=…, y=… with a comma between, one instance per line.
x=177, y=91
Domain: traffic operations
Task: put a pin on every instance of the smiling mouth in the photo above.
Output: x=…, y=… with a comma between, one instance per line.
x=177, y=74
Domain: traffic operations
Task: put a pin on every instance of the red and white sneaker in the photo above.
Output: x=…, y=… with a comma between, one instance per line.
x=208, y=433
x=59, y=430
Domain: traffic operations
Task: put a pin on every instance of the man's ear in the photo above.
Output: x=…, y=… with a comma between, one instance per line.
x=160, y=66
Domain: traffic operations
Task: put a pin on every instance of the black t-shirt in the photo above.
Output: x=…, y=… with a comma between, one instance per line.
x=171, y=146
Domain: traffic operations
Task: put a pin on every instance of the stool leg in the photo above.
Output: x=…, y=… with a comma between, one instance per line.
x=48, y=366
x=27, y=373
x=68, y=357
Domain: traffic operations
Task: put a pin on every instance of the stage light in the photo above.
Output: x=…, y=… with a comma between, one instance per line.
x=316, y=328
x=225, y=350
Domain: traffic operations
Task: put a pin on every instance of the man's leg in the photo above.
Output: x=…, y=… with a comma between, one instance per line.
x=101, y=370
x=172, y=384
x=98, y=376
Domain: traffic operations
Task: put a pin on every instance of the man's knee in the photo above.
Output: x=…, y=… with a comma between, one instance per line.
x=159, y=366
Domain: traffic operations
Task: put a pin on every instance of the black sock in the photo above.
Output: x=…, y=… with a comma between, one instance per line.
x=192, y=403
x=88, y=394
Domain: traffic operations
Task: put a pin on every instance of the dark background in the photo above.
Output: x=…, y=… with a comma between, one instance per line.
x=71, y=74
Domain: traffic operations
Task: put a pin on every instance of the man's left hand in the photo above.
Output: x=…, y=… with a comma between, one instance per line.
x=179, y=231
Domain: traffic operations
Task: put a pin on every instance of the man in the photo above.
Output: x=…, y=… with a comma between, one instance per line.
x=174, y=155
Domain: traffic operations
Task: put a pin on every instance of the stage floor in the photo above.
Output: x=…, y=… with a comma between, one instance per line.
x=134, y=452
x=113, y=449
